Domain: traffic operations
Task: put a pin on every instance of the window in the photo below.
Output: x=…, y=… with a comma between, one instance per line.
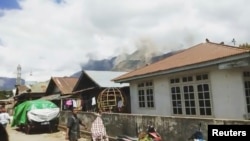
x=191, y=95
x=146, y=95
x=247, y=89
x=176, y=100
x=187, y=79
x=176, y=80
x=189, y=100
x=204, y=99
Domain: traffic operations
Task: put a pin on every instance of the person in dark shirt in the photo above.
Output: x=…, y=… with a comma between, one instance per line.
x=3, y=134
x=73, y=126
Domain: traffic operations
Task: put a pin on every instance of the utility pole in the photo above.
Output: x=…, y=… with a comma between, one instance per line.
x=234, y=41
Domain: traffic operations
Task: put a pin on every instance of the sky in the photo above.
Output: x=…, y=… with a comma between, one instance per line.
x=55, y=37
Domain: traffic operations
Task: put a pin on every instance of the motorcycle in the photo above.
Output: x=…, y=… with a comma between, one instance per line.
x=150, y=135
x=126, y=138
x=197, y=135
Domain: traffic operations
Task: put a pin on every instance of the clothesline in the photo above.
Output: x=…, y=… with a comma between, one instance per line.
x=92, y=100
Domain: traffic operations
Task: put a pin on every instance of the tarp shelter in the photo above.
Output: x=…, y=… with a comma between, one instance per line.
x=20, y=111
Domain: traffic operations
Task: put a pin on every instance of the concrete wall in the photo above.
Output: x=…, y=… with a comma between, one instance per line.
x=227, y=91
x=170, y=128
x=228, y=94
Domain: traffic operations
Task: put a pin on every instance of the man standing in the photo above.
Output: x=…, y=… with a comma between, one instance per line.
x=4, y=117
x=73, y=126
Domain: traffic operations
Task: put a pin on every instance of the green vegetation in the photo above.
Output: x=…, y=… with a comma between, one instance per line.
x=5, y=94
x=245, y=46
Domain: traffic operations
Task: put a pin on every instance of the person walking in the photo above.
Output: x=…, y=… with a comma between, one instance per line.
x=98, y=130
x=3, y=134
x=73, y=126
x=4, y=117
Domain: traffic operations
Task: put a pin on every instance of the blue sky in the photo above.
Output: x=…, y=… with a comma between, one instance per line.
x=54, y=37
x=9, y=4
x=13, y=4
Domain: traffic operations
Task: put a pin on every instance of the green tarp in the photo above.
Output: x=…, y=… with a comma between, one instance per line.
x=20, y=111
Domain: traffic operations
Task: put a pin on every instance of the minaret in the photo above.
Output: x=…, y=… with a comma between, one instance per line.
x=18, y=79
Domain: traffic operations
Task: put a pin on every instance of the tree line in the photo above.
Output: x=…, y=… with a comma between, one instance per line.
x=5, y=94
x=245, y=46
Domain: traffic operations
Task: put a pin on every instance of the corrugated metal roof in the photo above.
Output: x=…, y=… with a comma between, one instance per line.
x=103, y=78
x=22, y=88
x=39, y=87
x=65, y=84
x=200, y=53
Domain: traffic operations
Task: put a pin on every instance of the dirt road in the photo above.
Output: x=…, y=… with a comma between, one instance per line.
x=16, y=135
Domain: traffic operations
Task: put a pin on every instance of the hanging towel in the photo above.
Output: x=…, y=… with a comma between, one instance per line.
x=93, y=101
x=74, y=103
x=69, y=102
x=78, y=103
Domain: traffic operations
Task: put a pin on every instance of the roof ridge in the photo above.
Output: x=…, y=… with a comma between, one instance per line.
x=225, y=45
x=187, y=57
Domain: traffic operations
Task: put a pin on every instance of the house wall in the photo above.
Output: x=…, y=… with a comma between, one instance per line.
x=55, y=90
x=170, y=128
x=228, y=94
x=162, y=98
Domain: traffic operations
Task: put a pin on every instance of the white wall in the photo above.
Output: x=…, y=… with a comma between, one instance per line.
x=227, y=88
x=228, y=94
x=162, y=99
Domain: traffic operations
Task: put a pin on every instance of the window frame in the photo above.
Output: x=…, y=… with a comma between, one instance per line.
x=246, y=78
x=192, y=104
x=145, y=94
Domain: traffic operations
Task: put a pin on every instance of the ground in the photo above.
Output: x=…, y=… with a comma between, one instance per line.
x=16, y=135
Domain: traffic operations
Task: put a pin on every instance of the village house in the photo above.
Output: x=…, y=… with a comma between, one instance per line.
x=29, y=92
x=89, y=91
x=97, y=91
x=59, y=89
x=208, y=80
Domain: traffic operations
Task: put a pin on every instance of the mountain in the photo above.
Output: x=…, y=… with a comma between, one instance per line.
x=7, y=83
x=104, y=64
x=123, y=62
x=127, y=63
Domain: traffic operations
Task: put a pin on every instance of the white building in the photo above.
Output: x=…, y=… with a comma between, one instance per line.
x=207, y=80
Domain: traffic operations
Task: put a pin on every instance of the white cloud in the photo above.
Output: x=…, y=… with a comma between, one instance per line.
x=52, y=39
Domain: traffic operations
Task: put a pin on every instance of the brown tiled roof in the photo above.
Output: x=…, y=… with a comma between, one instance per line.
x=65, y=84
x=197, y=54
